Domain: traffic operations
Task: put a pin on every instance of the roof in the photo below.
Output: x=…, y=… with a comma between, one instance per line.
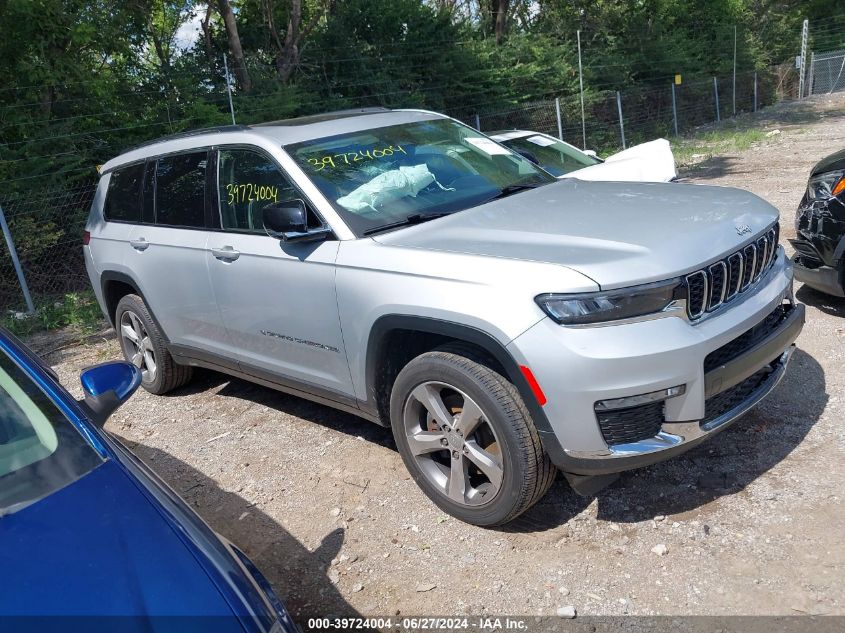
x=279, y=133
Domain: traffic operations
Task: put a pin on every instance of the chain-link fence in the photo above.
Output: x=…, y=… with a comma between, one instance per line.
x=646, y=112
x=46, y=227
x=827, y=72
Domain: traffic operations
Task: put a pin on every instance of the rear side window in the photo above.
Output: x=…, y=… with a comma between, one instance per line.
x=180, y=189
x=248, y=182
x=123, y=199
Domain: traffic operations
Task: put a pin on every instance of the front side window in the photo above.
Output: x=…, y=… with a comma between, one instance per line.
x=123, y=199
x=180, y=189
x=248, y=182
x=554, y=156
x=384, y=177
x=40, y=449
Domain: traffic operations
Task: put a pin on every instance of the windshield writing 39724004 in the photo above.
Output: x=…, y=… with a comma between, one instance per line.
x=348, y=158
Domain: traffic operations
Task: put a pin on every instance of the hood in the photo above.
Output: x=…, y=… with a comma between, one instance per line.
x=618, y=234
x=647, y=162
x=98, y=546
x=830, y=163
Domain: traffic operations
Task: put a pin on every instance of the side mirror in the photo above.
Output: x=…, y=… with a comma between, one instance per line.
x=288, y=221
x=107, y=386
x=591, y=152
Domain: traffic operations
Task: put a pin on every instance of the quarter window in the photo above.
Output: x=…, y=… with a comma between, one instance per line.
x=123, y=199
x=248, y=182
x=180, y=189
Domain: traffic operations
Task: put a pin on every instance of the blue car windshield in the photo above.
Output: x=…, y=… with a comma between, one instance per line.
x=382, y=177
x=40, y=450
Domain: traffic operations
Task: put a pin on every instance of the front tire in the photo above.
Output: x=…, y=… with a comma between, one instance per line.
x=144, y=346
x=467, y=438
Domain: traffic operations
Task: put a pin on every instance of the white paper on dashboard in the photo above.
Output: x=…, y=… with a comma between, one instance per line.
x=487, y=146
x=542, y=141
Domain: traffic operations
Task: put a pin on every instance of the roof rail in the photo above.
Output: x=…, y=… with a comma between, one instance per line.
x=188, y=134
x=327, y=116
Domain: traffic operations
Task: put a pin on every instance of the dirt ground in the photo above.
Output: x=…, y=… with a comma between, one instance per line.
x=752, y=521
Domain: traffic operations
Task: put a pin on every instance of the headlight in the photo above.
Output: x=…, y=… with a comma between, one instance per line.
x=826, y=185
x=611, y=305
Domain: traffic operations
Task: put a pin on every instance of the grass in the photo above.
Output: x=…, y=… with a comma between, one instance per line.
x=726, y=139
x=78, y=309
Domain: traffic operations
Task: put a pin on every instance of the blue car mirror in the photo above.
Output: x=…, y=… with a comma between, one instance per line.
x=107, y=386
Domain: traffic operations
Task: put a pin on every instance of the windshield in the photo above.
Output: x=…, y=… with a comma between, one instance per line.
x=390, y=176
x=556, y=157
x=40, y=450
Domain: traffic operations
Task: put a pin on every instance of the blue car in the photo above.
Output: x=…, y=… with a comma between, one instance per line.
x=87, y=530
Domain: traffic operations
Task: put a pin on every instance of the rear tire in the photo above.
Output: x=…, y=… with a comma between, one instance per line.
x=144, y=346
x=467, y=438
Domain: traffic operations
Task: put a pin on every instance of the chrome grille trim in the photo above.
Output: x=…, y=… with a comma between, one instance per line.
x=750, y=255
x=729, y=277
x=735, y=263
x=762, y=255
x=696, y=308
x=718, y=284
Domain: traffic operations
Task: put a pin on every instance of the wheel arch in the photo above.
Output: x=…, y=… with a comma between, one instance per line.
x=380, y=375
x=116, y=285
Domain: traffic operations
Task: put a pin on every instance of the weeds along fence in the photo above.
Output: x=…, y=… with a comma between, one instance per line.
x=46, y=225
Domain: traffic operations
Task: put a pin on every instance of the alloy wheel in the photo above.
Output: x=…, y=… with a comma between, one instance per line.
x=453, y=443
x=137, y=345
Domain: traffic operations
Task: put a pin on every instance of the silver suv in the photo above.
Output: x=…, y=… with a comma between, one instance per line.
x=408, y=269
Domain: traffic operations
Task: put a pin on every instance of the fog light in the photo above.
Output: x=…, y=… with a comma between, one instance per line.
x=643, y=398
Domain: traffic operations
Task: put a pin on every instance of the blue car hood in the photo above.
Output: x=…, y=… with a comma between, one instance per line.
x=99, y=546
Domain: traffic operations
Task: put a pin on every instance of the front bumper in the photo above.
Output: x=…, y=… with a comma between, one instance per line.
x=578, y=368
x=823, y=278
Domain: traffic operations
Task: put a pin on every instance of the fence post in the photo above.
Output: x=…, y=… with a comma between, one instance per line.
x=228, y=87
x=805, y=33
x=581, y=85
x=812, y=78
x=559, y=121
x=16, y=262
x=674, y=109
x=477, y=122
x=716, y=92
x=734, y=79
x=621, y=123
x=755, y=92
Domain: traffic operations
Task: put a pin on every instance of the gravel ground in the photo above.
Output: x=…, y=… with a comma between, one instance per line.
x=749, y=523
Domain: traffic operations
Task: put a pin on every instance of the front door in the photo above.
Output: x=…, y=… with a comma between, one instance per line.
x=277, y=299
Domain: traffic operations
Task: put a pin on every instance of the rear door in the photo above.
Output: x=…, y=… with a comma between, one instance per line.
x=114, y=215
x=277, y=299
x=167, y=254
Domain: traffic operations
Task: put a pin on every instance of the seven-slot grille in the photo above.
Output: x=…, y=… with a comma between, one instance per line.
x=710, y=287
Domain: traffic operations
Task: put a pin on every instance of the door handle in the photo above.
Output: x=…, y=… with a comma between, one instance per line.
x=140, y=244
x=226, y=254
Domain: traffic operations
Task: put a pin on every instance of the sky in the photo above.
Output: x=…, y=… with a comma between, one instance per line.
x=189, y=33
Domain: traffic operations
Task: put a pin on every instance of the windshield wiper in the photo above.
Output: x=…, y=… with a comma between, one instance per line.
x=416, y=218
x=509, y=190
